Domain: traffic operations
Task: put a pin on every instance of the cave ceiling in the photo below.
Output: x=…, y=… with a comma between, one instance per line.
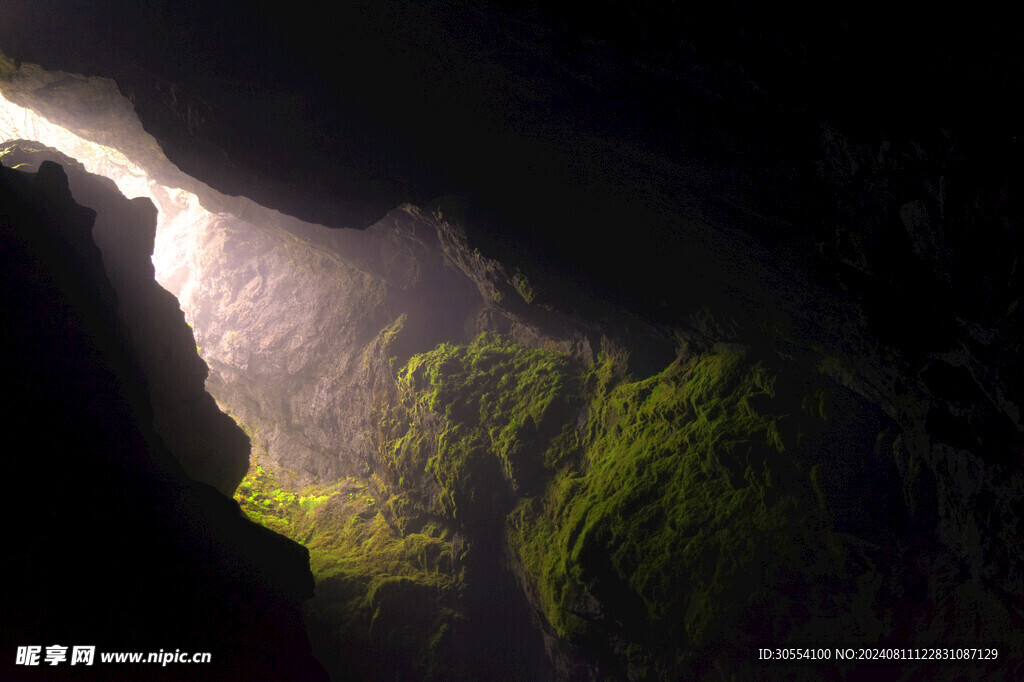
x=557, y=125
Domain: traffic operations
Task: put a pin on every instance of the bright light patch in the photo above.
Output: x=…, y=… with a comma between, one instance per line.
x=180, y=217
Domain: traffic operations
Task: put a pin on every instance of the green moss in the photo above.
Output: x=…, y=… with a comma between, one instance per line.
x=661, y=510
x=687, y=502
x=378, y=588
x=288, y=512
x=472, y=423
x=523, y=286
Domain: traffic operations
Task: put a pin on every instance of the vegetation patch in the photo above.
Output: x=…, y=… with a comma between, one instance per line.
x=287, y=512
x=690, y=505
x=474, y=425
x=378, y=590
x=647, y=518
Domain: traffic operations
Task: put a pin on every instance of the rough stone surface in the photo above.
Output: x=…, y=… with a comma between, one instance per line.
x=111, y=532
x=206, y=442
x=288, y=318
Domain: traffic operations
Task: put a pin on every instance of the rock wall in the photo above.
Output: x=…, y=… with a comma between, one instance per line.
x=114, y=545
x=287, y=317
x=283, y=311
x=153, y=332
x=284, y=321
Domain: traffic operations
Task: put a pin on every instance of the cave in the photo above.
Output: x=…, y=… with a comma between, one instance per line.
x=495, y=341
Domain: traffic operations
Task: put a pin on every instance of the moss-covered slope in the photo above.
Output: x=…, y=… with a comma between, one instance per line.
x=659, y=528
x=473, y=425
x=407, y=561
x=692, y=499
x=384, y=600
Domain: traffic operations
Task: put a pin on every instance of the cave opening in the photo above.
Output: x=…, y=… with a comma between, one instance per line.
x=180, y=216
x=416, y=581
x=486, y=487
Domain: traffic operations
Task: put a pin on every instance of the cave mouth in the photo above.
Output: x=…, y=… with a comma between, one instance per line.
x=183, y=226
x=412, y=576
x=190, y=242
x=179, y=212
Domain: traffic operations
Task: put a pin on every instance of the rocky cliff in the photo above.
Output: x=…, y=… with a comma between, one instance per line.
x=111, y=533
x=161, y=348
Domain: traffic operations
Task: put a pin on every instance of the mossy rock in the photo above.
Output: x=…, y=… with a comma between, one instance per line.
x=476, y=425
x=649, y=520
x=379, y=589
x=694, y=499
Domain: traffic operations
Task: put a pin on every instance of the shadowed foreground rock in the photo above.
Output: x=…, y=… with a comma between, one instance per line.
x=109, y=543
x=158, y=344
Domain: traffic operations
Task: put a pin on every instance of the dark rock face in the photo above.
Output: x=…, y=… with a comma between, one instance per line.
x=161, y=348
x=111, y=533
x=561, y=125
